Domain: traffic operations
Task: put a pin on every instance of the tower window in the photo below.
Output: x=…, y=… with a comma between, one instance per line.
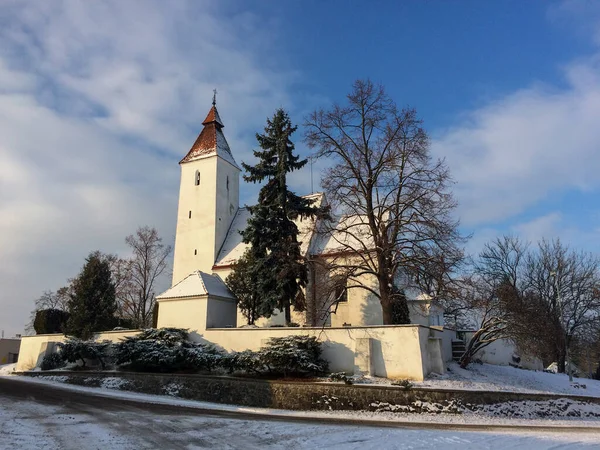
x=228, y=182
x=197, y=178
x=195, y=252
x=190, y=215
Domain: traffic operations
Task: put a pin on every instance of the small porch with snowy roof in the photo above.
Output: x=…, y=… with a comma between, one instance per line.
x=197, y=302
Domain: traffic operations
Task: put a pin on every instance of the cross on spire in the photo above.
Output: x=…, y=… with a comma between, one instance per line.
x=214, y=97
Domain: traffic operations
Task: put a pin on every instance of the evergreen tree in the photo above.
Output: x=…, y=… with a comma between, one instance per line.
x=92, y=304
x=242, y=282
x=278, y=268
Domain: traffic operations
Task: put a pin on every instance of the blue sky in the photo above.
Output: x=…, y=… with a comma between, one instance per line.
x=100, y=100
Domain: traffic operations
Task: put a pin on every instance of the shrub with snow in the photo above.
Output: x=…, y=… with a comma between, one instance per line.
x=340, y=376
x=74, y=350
x=246, y=361
x=165, y=350
x=293, y=355
x=290, y=355
x=52, y=361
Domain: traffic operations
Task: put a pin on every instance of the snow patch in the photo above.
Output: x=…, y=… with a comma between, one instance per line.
x=488, y=377
x=113, y=383
x=7, y=369
x=172, y=389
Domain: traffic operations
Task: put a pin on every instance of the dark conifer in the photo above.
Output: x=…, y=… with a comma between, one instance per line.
x=271, y=230
x=92, y=304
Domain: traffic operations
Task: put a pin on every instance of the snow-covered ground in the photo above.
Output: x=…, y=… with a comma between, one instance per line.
x=30, y=425
x=7, y=369
x=492, y=416
x=489, y=377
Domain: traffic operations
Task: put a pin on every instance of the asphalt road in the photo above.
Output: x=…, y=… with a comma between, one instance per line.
x=41, y=416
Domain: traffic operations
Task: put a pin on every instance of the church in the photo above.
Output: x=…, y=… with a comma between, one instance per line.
x=208, y=243
x=347, y=322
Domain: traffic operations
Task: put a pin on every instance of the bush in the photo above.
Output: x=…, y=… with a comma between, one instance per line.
x=246, y=361
x=52, y=361
x=165, y=350
x=48, y=321
x=74, y=350
x=291, y=355
x=406, y=384
x=340, y=376
x=298, y=355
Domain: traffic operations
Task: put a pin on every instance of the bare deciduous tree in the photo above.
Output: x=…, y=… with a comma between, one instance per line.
x=135, y=278
x=395, y=195
x=542, y=299
x=569, y=283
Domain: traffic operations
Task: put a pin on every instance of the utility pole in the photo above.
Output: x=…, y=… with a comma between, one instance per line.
x=311, y=175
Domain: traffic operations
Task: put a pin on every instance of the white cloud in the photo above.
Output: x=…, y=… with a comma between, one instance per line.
x=521, y=149
x=547, y=226
x=98, y=102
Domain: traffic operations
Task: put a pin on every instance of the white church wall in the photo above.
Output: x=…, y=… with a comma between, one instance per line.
x=187, y=313
x=419, y=312
x=227, y=203
x=221, y=313
x=361, y=309
x=277, y=318
x=195, y=219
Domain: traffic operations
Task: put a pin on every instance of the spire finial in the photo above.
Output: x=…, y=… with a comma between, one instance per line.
x=214, y=97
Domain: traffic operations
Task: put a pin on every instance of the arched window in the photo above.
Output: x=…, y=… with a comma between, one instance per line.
x=197, y=178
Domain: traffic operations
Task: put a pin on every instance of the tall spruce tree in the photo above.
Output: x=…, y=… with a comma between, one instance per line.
x=92, y=304
x=279, y=270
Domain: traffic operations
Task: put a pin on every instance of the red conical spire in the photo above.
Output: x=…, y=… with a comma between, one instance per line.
x=211, y=139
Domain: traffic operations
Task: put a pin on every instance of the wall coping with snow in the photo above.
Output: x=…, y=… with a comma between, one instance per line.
x=410, y=325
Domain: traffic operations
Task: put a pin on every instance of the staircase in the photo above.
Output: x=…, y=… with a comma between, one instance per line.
x=458, y=348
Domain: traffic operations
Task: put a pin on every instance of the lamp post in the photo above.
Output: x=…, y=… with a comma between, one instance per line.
x=562, y=318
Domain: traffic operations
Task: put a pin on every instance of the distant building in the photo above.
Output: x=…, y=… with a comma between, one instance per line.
x=9, y=350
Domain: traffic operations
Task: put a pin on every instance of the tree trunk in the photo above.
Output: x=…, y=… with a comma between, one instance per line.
x=385, y=296
x=561, y=361
x=288, y=314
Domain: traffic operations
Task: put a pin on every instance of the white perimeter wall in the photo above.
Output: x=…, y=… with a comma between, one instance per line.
x=500, y=353
x=395, y=351
x=34, y=348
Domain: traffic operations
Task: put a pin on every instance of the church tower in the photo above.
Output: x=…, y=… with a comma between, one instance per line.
x=208, y=199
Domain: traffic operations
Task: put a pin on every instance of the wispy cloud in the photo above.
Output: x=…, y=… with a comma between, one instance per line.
x=98, y=101
x=526, y=147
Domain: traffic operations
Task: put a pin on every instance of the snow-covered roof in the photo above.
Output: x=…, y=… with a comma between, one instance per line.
x=343, y=233
x=198, y=284
x=233, y=248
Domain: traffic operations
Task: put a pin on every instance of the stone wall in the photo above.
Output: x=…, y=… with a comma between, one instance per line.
x=295, y=395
